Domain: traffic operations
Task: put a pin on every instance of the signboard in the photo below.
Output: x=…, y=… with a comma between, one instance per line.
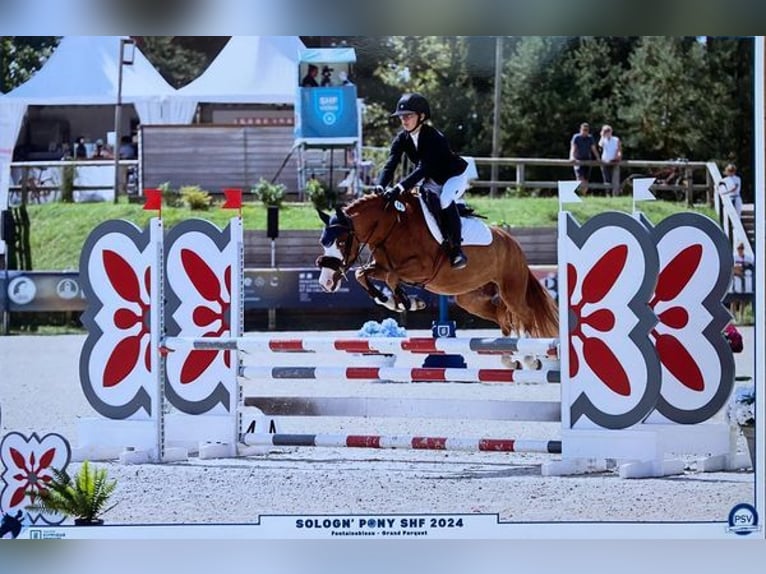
x=329, y=112
x=41, y=291
x=298, y=288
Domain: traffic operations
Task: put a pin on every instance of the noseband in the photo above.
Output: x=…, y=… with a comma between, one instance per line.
x=340, y=266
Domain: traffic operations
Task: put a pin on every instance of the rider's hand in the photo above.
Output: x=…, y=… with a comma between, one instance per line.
x=392, y=193
x=379, y=190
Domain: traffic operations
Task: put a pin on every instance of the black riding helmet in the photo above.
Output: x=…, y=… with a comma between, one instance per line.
x=413, y=102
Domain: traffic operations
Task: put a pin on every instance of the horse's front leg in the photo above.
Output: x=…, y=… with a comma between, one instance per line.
x=363, y=276
x=399, y=301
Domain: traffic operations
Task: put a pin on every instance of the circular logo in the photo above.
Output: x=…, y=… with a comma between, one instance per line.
x=743, y=519
x=329, y=118
x=21, y=290
x=67, y=289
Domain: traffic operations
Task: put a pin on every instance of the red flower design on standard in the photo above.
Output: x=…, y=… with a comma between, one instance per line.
x=673, y=355
x=596, y=284
x=127, y=351
x=33, y=475
x=207, y=285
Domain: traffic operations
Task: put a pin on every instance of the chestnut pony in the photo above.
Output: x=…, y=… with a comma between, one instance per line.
x=496, y=284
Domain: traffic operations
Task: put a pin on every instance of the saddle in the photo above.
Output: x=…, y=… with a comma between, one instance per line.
x=474, y=230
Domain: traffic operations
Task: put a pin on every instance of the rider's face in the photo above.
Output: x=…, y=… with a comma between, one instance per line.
x=409, y=120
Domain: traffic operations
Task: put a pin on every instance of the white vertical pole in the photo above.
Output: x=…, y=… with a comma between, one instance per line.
x=496, y=118
x=236, y=321
x=156, y=329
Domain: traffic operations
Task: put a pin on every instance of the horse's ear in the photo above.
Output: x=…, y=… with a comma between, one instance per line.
x=340, y=213
x=325, y=217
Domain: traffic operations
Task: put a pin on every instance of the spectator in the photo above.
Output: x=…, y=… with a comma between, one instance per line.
x=611, y=153
x=734, y=338
x=742, y=280
x=80, y=151
x=582, y=147
x=101, y=151
x=310, y=79
x=326, y=76
x=344, y=81
x=731, y=185
x=127, y=149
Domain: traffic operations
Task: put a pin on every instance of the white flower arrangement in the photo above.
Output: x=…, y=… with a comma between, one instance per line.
x=742, y=406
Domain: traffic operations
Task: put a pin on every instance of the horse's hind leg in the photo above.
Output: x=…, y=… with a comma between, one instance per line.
x=483, y=303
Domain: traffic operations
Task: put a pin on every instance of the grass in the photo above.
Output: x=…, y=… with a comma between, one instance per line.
x=59, y=230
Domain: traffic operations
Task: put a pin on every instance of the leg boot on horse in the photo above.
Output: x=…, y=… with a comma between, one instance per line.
x=451, y=229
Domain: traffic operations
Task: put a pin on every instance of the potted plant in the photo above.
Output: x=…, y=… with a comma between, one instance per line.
x=742, y=413
x=320, y=197
x=84, y=496
x=271, y=194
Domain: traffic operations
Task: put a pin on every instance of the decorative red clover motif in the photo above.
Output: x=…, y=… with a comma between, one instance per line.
x=126, y=352
x=598, y=282
x=673, y=354
x=33, y=476
x=207, y=285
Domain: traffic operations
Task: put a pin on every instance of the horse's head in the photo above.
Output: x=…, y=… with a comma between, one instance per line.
x=337, y=242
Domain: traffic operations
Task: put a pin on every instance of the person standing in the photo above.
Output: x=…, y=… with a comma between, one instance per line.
x=326, y=76
x=80, y=151
x=441, y=170
x=310, y=79
x=731, y=185
x=582, y=147
x=611, y=154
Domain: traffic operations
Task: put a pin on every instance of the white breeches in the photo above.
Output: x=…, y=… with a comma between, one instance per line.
x=452, y=190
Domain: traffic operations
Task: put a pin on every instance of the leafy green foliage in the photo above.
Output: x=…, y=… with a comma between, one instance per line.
x=174, y=60
x=68, y=174
x=269, y=193
x=196, y=198
x=170, y=197
x=21, y=57
x=84, y=496
x=319, y=196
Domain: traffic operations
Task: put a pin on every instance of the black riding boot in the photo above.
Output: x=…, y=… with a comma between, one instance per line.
x=450, y=218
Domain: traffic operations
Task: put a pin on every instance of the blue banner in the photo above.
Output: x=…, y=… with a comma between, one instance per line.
x=327, y=112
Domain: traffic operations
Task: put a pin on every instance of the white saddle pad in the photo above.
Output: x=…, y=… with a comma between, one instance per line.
x=474, y=230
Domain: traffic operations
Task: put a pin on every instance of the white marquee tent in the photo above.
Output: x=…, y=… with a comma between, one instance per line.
x=84, y=70
x=250, y=70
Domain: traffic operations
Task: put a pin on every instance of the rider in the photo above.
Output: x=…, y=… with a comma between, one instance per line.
x=442, y=171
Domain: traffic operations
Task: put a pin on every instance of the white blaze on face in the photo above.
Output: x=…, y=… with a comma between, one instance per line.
x=326, y=276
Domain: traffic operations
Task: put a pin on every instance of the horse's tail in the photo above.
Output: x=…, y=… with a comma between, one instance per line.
x=544, y=310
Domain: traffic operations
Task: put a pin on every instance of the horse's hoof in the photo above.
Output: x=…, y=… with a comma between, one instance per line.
x=510, y=363
x=532, y=363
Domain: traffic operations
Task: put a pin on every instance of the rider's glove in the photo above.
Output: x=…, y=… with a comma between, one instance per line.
x=392, y=193
x=379, y=190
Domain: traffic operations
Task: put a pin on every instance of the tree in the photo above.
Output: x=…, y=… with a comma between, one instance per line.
x=176, y=59
x=436, y=66
x=664, y=100
x=22, y=56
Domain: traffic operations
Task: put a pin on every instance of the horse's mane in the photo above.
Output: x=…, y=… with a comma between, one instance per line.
x=361, y=202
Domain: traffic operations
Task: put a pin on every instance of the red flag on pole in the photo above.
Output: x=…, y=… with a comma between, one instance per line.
x=233, y=198
x=153, y=199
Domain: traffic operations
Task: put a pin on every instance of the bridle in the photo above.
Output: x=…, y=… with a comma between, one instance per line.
x=340, y=266
x=348, y=258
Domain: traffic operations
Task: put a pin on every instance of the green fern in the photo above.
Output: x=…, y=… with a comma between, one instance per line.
x=84, y=496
